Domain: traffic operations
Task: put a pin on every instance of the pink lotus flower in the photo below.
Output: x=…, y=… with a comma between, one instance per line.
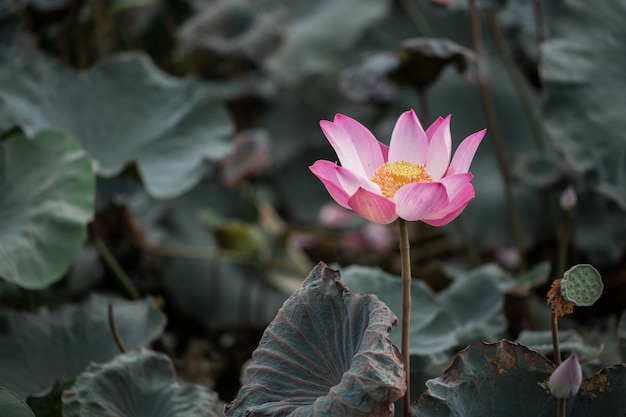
x=412, y=178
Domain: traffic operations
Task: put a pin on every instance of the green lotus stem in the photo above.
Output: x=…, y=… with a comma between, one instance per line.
x=117, y=269
x=494, y=130
x=518, y=81
x=405, y=256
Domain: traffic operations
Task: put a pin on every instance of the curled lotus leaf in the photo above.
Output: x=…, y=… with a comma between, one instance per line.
x=423, y=59
x=237, y=29
x=327, y=352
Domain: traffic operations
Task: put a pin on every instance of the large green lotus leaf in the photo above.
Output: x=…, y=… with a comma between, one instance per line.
x=489, y=380
x=47, y=189
x=321, y=35
x=583, y=66
x=475, y=299
x=137, y=384
x=433, y=329
x=13, y=406
x=508, y=379
x=123, y=110
x=37, y=349
x=326, y=353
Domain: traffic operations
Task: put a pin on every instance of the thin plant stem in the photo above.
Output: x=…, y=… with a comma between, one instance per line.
x=102, y=29
x=417, y=18
x=555, y=339
x=116, y=334
x=117, y=269
x=126, y=282
x=563, y=242
x=538, y=14
x=516, y=78
x=405, y=256
x=561, y=407
x=557, y=358
x=494, y=131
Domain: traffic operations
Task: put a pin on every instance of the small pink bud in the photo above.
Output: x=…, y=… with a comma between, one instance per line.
x=568, y=199
x=566, y=378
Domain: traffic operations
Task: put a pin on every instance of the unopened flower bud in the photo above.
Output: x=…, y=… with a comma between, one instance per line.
x=568, y=199
x=566, y=378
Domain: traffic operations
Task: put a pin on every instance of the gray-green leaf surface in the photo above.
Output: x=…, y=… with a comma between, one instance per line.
x=37, y=349
x=47, y=189
x=137, y=384
x=123, y=110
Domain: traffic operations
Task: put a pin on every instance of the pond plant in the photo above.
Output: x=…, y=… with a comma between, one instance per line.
x=177, y=239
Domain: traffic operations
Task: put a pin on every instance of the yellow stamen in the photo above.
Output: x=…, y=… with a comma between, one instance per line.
x=391, y=176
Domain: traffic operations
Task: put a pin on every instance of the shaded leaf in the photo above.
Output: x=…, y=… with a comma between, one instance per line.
x=38, y=349
x=237, y=29
x=102, y=390
x=534, y=277
x=569, y=341
x=12, y=405
x=321, y=35
x=475, y=299
x=423, y=59
x=496, y=379
x=327, y=352
x=504, y=378
x=47, y=187
x=582, y=68
x=600, y=228
x=433, y=329
x=368, y=79
x=123, y=110
x=601, y=395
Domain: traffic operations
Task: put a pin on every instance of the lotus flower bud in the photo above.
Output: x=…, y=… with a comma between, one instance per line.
x=568, y=199
x=566, y=378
